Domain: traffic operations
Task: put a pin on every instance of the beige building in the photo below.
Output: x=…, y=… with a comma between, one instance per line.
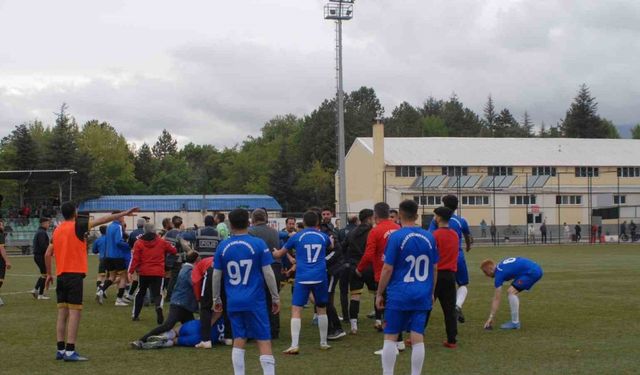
x=511, y=181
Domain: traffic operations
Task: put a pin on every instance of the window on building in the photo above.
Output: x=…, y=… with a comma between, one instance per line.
x=629, y=172
x=475, y=200
x=522, y=199
x=543, y=171
x=500, y=171
x=455, y=171
x=587, y=171
x=569, y=199
x=619, y=199
x=428, y=200
x=408, y=171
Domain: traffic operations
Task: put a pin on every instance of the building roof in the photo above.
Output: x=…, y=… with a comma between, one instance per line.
x=172, y=203
x=443, y=151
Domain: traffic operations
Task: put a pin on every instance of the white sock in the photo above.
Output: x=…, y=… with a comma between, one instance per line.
x=323, y=327
x=296, y=324
x=378, y=321
x=237, y=357
x=354, y=324
x=268, y=364
x=461, y=295
x=168, y=344
x=170, y=334
x=417, y=358
x=68, y=352
x=514, y=303
x=388, y=357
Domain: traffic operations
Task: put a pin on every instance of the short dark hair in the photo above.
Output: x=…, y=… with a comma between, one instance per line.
x=44, y=219
x=220, y=216
x=176, y=221
x=381, y=210
x=239, y=219
x=353, y=219
x=68, y=210
x=192, y=256
x=409, y=209
x=365, y=214
x=393, y=211
x=450, y=201
x=259, y=216
x=103, y=229
x=165, y=222
x=290, y=218
x=444, y=212
x=327, y=209
x=310, y=219
x=209, y=221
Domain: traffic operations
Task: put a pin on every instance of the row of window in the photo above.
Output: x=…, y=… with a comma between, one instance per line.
x=414, y=171
x=522, y=199
x=481, y=200
x=568, y=199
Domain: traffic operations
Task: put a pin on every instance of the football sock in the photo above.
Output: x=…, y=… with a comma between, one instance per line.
x=60, y=345
x=268, y=364
x=296, y=324
x=323, y=327
x=388, y=357
x=237, y=357
x=354, y=309
x=461, y=295
x=417, y=358
x=120, y=292
x=354, y=324
x=69, y=349
x=106, y=285
x=514, y=303
x=133, y=288
x=40, y=285
x=170, y=334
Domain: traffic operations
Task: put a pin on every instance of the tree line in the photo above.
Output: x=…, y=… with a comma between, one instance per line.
x=293, y=158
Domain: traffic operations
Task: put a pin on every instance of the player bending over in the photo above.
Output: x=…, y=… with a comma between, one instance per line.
x=408, y=277
x=243, y=263
x=524, y=273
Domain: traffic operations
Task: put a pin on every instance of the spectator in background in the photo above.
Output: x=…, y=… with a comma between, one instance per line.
x=221, y=227
x=543, y=232
x=632, y=230
x=532, y=233
x=578, y=230
x=493, y=230
x=40, y=244
x=567, y=232
x=600, y=233
x=394, y=216
x=623, y=228
x=483, y=229
x=167, y=225
x=594, y=233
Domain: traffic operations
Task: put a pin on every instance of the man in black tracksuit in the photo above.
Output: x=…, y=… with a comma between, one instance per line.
x=354, y=247
x=40, y=244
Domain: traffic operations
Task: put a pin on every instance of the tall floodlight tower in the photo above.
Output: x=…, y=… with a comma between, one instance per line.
x=338, y=11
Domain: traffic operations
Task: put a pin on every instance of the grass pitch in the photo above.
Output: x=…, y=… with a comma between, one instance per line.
x=581, y=318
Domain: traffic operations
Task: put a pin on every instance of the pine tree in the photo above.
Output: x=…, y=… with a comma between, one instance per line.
x=144, y=165
x=490, y=116
x=527, y=125
x=582, y=120
x=26, y=149
x=165, y=146
x=62, y=148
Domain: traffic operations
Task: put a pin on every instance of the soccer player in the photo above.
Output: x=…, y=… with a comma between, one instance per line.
x=243, y=263
x=447, y=244
x=407, y=282
x=310, y=246
x=524, y=273
x=5, y=264
x=69, y=248
x=115, y=262
x=460, y=225
x=40, y=244
x=99, y=247
x=187, y=335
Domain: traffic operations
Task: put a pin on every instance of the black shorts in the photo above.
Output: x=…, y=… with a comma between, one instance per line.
x=101, y=267
x=39, y=259
x=115, y=264
x=357, y=283
x=3, y=268
x=69, y=290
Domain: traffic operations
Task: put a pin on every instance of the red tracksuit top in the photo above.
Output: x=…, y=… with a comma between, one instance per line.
x=448, y=248
x=376, y=243
x=148, y=256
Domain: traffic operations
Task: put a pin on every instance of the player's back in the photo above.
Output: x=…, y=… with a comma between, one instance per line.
x=311, y=247
x=513, y=267
x=241, y=259
x=412, y=253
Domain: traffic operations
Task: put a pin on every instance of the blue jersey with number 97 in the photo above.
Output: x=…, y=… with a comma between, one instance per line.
x=241, y=258
x=413, y=254
x=311, y=248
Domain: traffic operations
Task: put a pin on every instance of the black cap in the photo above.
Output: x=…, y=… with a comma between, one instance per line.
x=444, y=212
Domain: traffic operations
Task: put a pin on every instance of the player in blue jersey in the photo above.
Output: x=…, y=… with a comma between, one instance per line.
x=243, y=263
x=187, y=335
x=310, y=246
x=524, y=273
x=408, y=278
x=460, y=225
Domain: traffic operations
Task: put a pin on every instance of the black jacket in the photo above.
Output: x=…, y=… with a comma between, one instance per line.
x=40, y=241
x=355, y=244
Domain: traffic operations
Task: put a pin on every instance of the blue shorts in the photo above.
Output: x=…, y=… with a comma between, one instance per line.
x=320, y=294
x=189, y=333
x=398, y=321
x=462, y=275
x=250, y=324
x=527, y=281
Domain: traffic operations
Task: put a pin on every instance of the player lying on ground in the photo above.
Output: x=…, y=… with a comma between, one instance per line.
x=407, y=283
x=187, y=335
x=524, y=273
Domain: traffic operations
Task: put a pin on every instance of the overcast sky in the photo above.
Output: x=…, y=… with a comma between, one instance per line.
x=216, y=71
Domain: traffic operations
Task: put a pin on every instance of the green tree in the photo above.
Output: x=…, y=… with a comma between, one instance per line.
x=144, y=165
x=610, y=128
x=361, y=107
x=282, y=177
x=527, y=125
x=432, y=107
x=460, y=121
x=26, y=151
x=635, y=132
x=434, y=126
x=405, y=121
x=582, y=120
x=490, y=117
x=165, y=145
x=317, y=184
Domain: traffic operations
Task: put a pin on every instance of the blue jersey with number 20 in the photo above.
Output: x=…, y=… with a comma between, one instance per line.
x=241, y=259
x=413, y=254
x=311, y=248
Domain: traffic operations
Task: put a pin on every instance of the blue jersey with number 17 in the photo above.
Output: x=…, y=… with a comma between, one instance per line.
x=241, y=258
x=311, y=247
x=413, y=254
